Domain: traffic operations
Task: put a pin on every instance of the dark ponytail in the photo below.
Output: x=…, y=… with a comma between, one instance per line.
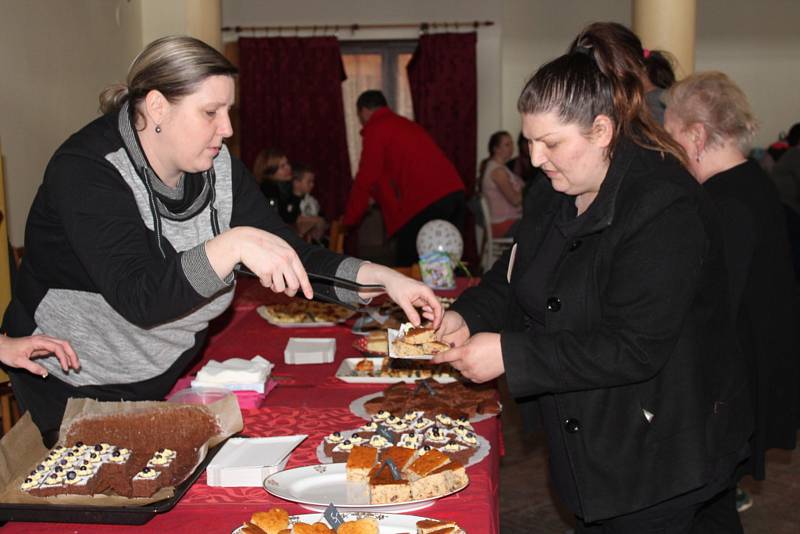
x=601, y=74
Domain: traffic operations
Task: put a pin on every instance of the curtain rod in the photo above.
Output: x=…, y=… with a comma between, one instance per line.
x=423, y=27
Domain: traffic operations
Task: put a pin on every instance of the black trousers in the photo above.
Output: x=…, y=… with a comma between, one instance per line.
x=450, y=208
x=718, y=515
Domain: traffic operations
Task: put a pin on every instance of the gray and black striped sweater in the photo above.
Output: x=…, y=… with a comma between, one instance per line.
x=115, y=261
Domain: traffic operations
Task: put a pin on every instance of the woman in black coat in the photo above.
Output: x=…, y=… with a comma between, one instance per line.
x=612, y=308
x=711, y=118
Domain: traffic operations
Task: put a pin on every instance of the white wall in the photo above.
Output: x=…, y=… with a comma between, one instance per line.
x=534, y=32
x=198, y=18
x=758, y=45
x=55, y=57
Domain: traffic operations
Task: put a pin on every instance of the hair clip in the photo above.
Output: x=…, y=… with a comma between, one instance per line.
x=646, y=53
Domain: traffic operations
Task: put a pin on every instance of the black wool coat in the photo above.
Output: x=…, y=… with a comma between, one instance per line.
x=637, y=349
x=764, y=307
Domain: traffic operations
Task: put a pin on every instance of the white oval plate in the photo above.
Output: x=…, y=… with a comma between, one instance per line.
x=357, y=408
x=483, y=449
x=347, y=373
x=389, y=523
x=314, y=487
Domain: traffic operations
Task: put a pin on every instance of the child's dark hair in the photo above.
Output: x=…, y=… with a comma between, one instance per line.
x=659, y=68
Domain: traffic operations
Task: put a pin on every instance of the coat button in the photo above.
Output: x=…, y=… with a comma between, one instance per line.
x=572, y=425
x=575, y=244
x=553, y=304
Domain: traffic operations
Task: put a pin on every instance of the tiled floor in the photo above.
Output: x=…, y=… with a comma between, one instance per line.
x=527, y=505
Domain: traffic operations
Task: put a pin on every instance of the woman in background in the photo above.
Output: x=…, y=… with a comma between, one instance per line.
x=273, y=174
x=521, y=164
x=285, y=188
x=711, y=118
x=501, y=187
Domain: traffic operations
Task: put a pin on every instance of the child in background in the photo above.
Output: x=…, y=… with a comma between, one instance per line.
x=302, y=185
x=310, y=224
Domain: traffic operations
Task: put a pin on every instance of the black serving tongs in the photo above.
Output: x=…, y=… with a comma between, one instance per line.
x=335, y=280
x=241, y=269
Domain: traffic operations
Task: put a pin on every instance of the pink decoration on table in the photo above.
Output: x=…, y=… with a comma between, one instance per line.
x=248, y=400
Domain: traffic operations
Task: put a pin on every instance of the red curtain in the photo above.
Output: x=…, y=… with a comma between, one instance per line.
x=291, y=98
x=443, y=78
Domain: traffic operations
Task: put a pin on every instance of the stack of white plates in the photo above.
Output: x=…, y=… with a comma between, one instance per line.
x=302, y=350
x=246, y=462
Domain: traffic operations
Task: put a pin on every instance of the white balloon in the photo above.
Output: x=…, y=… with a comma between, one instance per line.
x=440, y=236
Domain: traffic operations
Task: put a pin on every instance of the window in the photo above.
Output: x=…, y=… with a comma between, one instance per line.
x=374, y=65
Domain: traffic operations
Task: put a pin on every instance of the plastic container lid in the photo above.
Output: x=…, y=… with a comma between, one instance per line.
x=199, y=395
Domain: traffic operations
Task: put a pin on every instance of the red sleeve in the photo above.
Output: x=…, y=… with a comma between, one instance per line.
x=369, y=170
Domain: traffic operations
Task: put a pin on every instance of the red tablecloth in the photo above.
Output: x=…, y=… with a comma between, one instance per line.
x=308, y=400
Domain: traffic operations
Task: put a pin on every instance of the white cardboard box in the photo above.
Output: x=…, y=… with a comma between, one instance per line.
x=246, y=462
x=303, y=350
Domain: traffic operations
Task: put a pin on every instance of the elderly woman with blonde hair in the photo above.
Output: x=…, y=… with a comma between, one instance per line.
x=709, y=115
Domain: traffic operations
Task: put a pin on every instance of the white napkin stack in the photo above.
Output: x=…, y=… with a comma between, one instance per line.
x=235, y=374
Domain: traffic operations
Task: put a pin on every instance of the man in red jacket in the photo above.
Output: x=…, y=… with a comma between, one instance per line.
x=406, y=173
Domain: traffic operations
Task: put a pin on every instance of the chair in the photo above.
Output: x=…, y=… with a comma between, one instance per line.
x=336, y=236
x=9, y=412
x=490, y=247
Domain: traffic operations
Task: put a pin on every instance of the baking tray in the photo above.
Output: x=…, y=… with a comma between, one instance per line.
x=117, y=515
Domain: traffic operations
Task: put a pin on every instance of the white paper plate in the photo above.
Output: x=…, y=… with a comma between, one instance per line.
x=246, y=462
x=316, y=486
x=262, y=312
x=389, y=523
x=483, y=449
x=393, y=335
x=357, y=408
x=347, y=373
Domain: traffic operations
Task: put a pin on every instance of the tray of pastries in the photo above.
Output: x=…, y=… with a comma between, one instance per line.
x=279, y=520
x=457, y=400
x=304, y=314
x=398, y=480
x=413, y=430
x=383, y=370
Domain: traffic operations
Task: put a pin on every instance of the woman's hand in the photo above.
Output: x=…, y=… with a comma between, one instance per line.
x=453, y=330
x=480, y=359
x=18, y=352
x=271, y=258
x=408, y=293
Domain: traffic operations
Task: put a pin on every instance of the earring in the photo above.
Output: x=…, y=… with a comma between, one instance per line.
x=158, y=128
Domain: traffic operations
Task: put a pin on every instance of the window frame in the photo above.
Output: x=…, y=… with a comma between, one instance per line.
x=388, y=49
